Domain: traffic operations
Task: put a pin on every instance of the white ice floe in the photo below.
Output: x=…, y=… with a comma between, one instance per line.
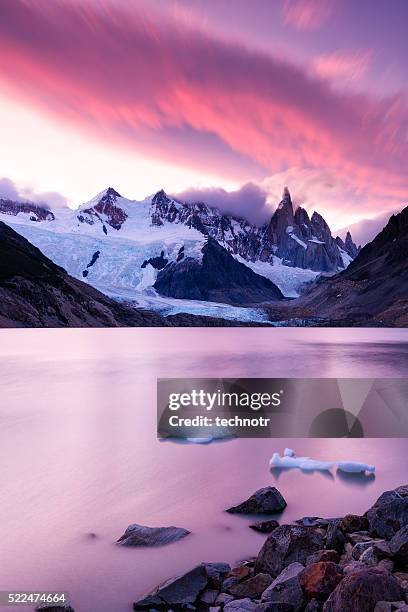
x=290, y=460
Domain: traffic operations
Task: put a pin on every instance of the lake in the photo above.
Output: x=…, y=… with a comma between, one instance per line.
x=80, y=460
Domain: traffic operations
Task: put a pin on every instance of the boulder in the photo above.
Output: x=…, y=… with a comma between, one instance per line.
x=183, y=590
x=389, y=513
x=363, y=590
x=323, y=555
x=335, y=538
x=286, y=589
x=253, y=587
x=387, y=606
x=264, y=501
x=270, y=606
x=399, y=544
x=353, y=522
x=314, y=606
x=265, y=526
x=240, y=605
x=287, y=544
x=139, y=535
x=314, y=521
x=318, y=580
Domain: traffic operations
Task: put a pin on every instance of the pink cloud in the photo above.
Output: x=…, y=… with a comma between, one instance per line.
x=346, y=65
x=158, y=86
x=307, y=14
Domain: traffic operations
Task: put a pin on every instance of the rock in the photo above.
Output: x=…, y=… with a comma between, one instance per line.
x=214, y=609
x=387, y=606
x=240, y=572
x=264, y=501
x=139, y=535
x=314, y=606
x=313, y=521
x=389, y=513
x=318, y=580
x=287, y=544
x=359, y=536
x=399, y=544
x=253, y=587
x=216, y=573
x=286, y=588
x=362, y=590
x=240, y=605
x=265, y=526
x=271, y=606
x=224, y=598
x=209, y=596
x=353, y=522
x=183, y=590
x=335, y=538
x=323, y=555
x=359, y=548
x=52, y=608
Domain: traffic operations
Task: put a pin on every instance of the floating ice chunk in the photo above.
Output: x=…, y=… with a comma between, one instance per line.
x=289, y=460
x=354, y=467
x=303, y=463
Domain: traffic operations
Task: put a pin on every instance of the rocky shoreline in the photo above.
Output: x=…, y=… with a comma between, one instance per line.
x=345, y=564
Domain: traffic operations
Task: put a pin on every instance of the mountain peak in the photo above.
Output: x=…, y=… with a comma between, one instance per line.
x=111, y=193
x=286, y=202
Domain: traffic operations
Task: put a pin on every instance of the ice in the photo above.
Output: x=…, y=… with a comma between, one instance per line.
x=290, y=460
x=354, y=467
x=303, y=463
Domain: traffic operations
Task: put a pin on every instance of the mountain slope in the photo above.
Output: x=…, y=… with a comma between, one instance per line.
x=374, y=288
x=216, y=277
x=110, y=240
x=34, y=292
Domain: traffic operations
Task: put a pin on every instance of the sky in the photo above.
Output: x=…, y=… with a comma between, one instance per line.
x=226, y=101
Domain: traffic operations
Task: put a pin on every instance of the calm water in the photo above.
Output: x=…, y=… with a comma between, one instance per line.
x=79, y=455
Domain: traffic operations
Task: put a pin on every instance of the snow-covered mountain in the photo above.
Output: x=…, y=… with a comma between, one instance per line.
x=122, y=246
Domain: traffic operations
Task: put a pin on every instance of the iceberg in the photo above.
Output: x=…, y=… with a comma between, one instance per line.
x=290, y=460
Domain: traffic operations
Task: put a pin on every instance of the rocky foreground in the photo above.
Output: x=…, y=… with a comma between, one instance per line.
x=347, y=564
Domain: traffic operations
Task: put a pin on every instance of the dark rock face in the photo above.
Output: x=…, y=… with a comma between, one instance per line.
x=157, y=262
x=253, y=587
x=352, y=522
x=389, y=513
x=218, y=277
x=138, y=535
x=373, y=290
x=286, y=588
x=36, y=212
x=399, y=544
x=324, y=555
x=288, y=544
x=318, y=580
x=335, y=538
x=105, y=211
x=294, y=237
x=264, y=501
x=34, y=292
x=183, y=590
x=362, y=590
x=265, y=526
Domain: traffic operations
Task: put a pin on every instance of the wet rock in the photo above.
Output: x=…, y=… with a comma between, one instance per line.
x=264, y=501
x=353, y=522
x=318, y=580
x=287, y=544
x=313, y=521
x=265, y=526
x=286, y=589
x=216, y=573
x=389, y=513
x=363, y=590
x=139, y=535
x=253, y=587
x=335, y=538
x=240, y=605
x=399, y=544
x=323, y=555
x=183, y=590
x=314, y=606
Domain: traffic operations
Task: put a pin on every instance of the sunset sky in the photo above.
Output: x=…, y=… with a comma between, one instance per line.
x=208, y=97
